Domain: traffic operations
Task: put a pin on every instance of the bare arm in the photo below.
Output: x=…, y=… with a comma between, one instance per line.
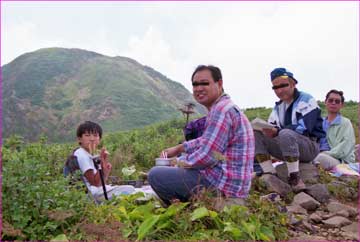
x=174, y=151
x=270, y=132
x=94, y=179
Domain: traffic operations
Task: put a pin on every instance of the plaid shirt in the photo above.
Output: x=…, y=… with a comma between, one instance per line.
x=224, y=154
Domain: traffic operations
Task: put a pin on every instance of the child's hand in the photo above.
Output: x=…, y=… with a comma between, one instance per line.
x=107, y=166
x=104, y=154
x=92, y=148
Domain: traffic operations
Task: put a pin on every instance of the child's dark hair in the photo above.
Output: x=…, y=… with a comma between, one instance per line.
x=88, y=127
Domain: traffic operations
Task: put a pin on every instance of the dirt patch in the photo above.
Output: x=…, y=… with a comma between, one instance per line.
x=104, y=232
x=58, y=215
x=10, y=231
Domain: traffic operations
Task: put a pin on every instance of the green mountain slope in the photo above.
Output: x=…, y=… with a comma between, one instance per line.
x=50, y=91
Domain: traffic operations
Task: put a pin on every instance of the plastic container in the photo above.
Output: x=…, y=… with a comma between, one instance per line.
x=163, y=161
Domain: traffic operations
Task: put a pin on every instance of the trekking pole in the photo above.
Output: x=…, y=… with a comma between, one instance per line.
x=97, y=163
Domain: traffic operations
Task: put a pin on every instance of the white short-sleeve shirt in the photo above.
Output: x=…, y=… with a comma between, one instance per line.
x=85, y=164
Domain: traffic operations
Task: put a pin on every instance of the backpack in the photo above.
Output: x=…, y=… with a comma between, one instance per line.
x=194, y=128
x=71, y=164
x=72, y=169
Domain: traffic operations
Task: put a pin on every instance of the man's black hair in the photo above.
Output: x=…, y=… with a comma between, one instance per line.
x=215, y=72
x=88, y=127
x=340, y=93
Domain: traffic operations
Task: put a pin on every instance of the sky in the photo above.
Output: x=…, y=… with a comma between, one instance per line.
x=317, y=41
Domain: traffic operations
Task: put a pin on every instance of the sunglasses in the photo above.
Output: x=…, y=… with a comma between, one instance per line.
x=280, y=86
x=333, y=100
x=196, y=84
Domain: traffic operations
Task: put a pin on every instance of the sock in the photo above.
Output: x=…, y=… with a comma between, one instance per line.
x=262, y=157
x=267, y=167
x=292, y=167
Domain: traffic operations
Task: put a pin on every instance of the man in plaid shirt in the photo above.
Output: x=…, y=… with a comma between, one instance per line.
x=221, y=159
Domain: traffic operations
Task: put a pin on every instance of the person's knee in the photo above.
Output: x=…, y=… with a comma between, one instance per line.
x=286, y=133
x=258, y=134
x=153, y=175
x=326, y=161
x=320, y=156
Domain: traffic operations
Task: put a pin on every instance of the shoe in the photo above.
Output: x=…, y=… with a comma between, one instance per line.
x=272, y=197
x=296, y=182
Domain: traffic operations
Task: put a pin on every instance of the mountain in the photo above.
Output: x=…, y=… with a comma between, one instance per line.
x=50, y=91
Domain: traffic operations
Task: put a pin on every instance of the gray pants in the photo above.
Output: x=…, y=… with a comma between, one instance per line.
x=326, y=161
x=288, y=143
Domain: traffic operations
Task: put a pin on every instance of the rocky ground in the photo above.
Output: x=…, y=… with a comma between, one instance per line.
x=326, y=210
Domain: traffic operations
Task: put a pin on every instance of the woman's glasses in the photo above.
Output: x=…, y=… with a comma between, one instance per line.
x=333, y=100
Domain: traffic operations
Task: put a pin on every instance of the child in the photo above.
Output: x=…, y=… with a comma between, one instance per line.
x=89, y=135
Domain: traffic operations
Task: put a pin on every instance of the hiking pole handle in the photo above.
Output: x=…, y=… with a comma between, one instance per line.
x=97, y=163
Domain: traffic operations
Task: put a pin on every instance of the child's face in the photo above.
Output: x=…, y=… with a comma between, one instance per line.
x=89, y=141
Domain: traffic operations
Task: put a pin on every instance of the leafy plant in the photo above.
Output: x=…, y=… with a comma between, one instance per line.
x=36, y=199
x=39, y=204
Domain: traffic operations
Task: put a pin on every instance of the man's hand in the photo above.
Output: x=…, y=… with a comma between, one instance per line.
x=173, y=151
x=271, y=133
x=183, y=164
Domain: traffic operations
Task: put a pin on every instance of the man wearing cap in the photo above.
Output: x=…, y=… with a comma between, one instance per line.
x=297, y=131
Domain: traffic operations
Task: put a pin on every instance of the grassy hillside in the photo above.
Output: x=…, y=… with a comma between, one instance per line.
x=50, y=91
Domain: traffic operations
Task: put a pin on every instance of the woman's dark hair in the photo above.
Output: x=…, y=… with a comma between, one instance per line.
x=215, y=72
x=88, y=127
x=336, y=92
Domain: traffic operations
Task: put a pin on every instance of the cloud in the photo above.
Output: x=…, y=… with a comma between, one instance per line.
x=309, y=41
x=153, y=50
x=317, y=41
x=18, y=35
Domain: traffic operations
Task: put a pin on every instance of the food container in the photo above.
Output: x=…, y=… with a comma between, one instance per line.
x=163, y=161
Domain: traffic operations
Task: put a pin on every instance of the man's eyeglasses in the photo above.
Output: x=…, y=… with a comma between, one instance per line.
x=280, y=86
x=333, y=100
x=196, y=84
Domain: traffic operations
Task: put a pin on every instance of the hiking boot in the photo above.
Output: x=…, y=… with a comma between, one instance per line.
x=296, y=182
x=272, y=197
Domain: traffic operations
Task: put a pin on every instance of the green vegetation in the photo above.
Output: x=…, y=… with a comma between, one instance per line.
x=261, y=220
x=39, y=203
x=260, y=112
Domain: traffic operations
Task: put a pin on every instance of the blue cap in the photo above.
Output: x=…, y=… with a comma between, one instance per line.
x=281, y=72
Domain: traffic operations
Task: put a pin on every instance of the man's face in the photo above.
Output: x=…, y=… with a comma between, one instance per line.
x=284, y=88
x=205, y=90
x=333, y=103
x=89, y=141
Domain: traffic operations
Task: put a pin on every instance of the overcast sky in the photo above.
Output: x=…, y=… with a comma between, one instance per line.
x=317, y=41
